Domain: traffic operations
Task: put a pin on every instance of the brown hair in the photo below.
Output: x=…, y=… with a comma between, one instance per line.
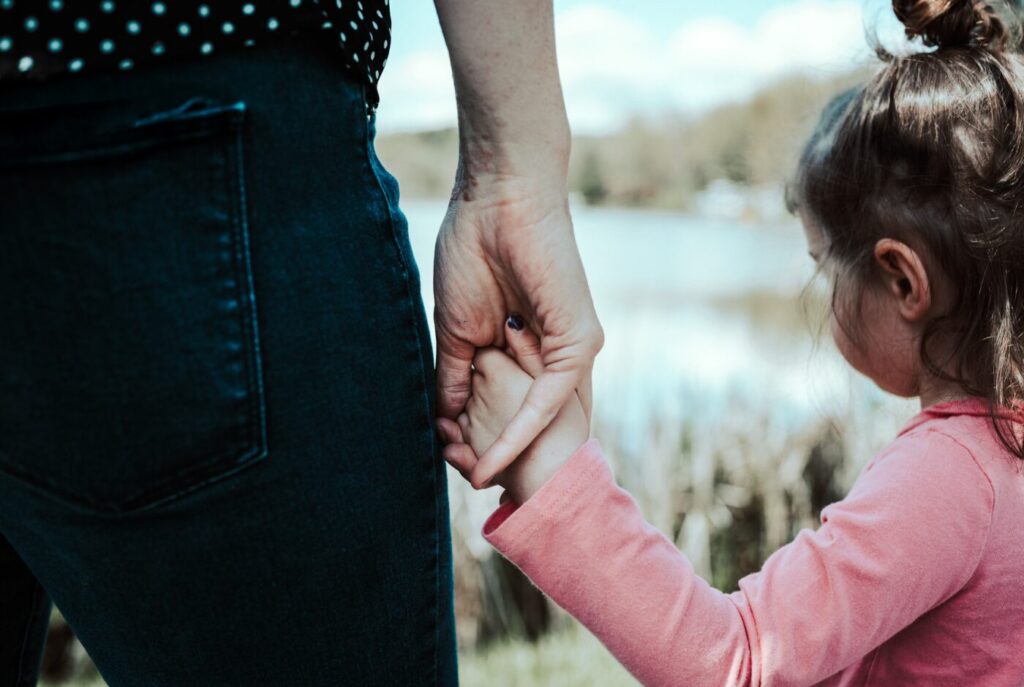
x=931, y=151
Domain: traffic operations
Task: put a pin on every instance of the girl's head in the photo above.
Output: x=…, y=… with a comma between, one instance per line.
x=911, y=191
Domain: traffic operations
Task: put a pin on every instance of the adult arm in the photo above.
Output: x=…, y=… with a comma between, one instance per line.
x=507, y=244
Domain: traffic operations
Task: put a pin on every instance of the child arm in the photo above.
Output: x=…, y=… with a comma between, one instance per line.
x=908, y=536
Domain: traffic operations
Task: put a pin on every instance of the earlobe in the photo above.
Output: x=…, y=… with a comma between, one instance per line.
x=906, y=278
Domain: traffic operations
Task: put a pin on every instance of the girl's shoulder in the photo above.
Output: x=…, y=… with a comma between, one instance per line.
x=955, y=446
x=967, y=426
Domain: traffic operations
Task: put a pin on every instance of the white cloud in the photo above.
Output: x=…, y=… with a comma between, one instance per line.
x=714, y=60
x=417, y=92
x=613, y=65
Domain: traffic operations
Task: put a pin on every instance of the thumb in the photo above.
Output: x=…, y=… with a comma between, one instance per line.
x=524, y=346
x=454, y=361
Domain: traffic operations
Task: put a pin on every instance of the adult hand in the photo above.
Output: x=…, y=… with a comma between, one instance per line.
x=507, y=246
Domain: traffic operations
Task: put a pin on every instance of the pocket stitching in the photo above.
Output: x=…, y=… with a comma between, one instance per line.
x=219, y=465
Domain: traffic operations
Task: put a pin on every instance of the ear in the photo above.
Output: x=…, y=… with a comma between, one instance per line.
x=905, y=278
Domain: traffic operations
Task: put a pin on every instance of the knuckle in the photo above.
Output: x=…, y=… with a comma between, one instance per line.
x=455, y=387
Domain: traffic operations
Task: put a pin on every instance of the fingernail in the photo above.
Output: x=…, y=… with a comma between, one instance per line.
x=515, y=322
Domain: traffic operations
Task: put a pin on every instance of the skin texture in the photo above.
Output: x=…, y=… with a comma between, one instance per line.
x=501, y=380
x=506, y=244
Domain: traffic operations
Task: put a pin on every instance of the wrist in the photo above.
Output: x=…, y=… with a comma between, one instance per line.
x=538, y=465
x=527, y=149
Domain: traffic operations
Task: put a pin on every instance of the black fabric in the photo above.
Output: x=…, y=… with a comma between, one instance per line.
x=40, y=39
x=24, y=614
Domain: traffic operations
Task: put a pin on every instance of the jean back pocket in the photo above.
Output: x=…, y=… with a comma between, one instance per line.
x=129, y=355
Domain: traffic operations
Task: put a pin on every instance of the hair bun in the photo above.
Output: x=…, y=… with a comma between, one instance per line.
x=952, y=23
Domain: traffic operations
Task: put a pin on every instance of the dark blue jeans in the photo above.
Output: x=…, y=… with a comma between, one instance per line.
x=217, y=452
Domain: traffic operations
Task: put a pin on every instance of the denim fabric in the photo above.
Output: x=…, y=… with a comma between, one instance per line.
x=217, y=452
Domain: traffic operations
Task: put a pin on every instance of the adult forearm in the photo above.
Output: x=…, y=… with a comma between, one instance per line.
x=512, y=117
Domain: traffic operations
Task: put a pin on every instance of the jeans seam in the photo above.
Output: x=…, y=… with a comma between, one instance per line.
x=410, y=297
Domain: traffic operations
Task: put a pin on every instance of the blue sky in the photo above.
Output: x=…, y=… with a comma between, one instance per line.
x=620, y=58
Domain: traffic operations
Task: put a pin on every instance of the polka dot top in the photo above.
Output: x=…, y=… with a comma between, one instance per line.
x=44, y=38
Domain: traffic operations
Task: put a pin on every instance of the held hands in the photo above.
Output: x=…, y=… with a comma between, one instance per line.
x=507, y=245
x=500, y=382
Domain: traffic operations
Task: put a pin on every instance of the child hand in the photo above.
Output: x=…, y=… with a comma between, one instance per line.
x=500, y=381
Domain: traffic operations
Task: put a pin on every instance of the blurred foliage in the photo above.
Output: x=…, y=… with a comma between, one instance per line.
x=655, y=162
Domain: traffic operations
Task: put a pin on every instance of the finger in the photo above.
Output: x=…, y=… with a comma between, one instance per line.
x=491, y=360
x=585, y=392
x=454, y=358
x=461, y=457
x=524, y=346
x=449, y=431
x=545, y=397
x=463, y=423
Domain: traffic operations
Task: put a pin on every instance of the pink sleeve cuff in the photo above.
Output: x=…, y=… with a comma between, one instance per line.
x=511, y=524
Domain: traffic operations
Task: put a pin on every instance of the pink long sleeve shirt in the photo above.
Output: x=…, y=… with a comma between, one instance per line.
x=915, y=578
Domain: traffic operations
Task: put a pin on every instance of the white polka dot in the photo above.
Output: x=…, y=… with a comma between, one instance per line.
x=249, y=43
x=204, y=11
x=107, y=6
x=338, y=3
x=81, y=25
x=31, y=24
x=385, y=44
x=24, y=64
x=107, y=46
x=133, y=26
x=296, y=3
x=355, y=26
x=248, y=8
x=125, y=64
x=56, y=5
x=355, y=57
x=228, y=27
x=184, y=29
x=55, y=44
x=342, y=36
x=159, y=8
x=75, y=65
x=158, y=48
x=5, y=43
x=206, y=48
x=7, y=4
x=326, y=25
x=272, y=24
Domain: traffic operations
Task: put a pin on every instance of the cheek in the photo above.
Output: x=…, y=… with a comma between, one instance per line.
x=849, y=350
x=882, y=355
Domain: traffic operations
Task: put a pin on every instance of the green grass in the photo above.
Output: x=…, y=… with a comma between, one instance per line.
x=567, y=658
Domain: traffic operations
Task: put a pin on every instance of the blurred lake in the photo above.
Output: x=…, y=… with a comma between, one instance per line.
x=697, y=312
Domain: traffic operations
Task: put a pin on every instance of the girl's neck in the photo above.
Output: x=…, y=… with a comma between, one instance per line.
x=939, y=391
